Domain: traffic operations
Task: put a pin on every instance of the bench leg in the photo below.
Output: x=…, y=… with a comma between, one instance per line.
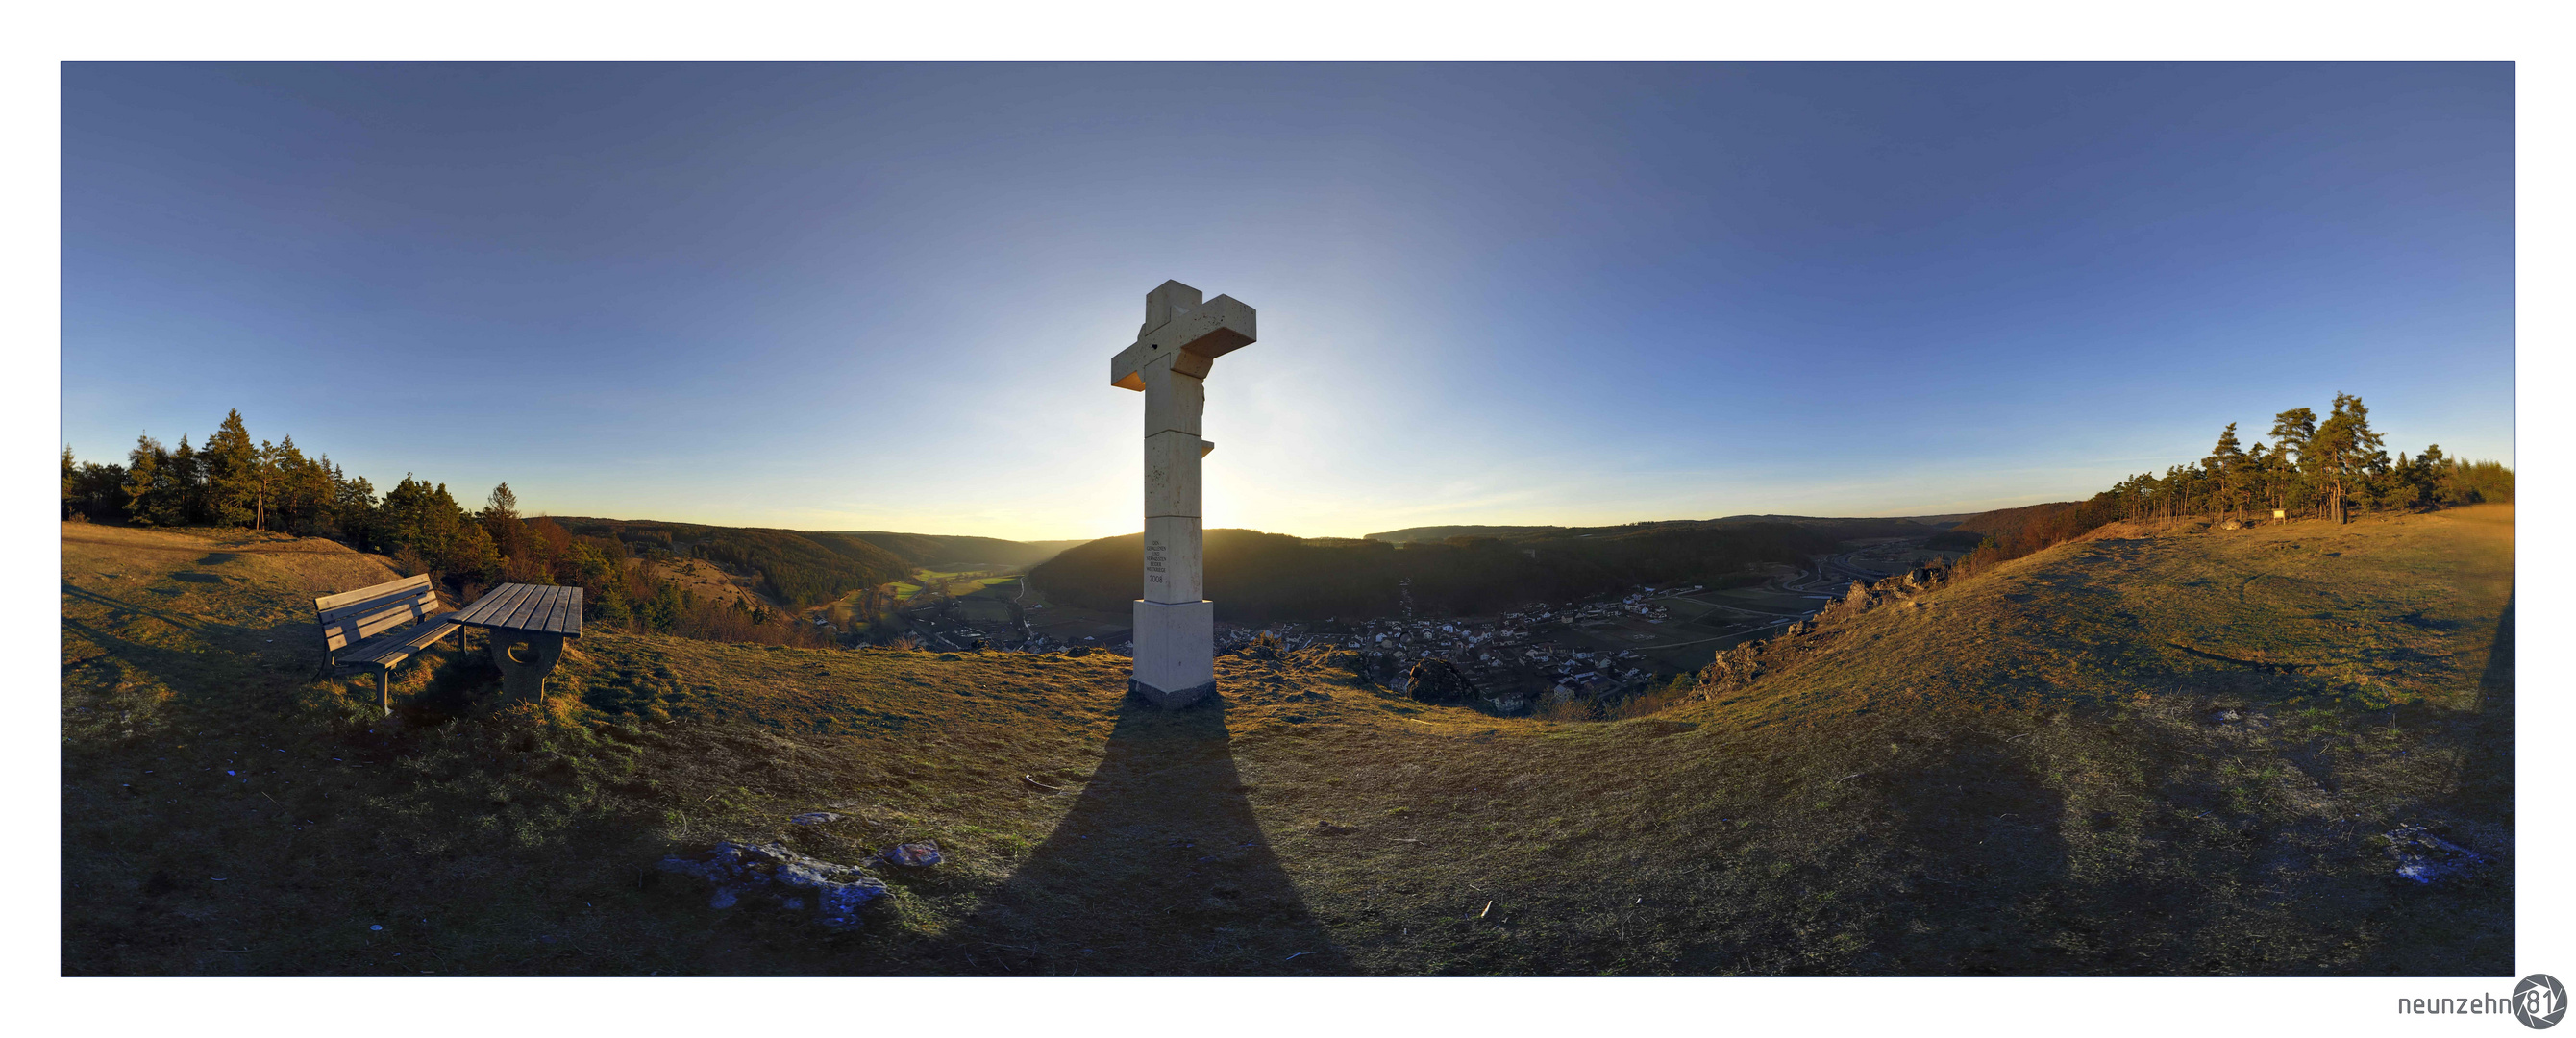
x=525, y=660
x=385, y=690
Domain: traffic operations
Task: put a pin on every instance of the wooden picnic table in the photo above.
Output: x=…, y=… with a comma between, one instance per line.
x=526, y=625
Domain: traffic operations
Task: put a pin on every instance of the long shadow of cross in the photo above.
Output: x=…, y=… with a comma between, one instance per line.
x=1158, y=870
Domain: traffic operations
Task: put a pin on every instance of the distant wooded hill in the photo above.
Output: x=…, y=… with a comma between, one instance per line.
x=942, y=552
x=798, y=568
x=1411, y=534
x=803, y=568
x=810, y=567
x=1905, y=526
x=1258, y=577
x=2036, y=523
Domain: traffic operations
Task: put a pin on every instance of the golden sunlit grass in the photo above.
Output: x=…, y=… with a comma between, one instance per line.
x=2020, y=776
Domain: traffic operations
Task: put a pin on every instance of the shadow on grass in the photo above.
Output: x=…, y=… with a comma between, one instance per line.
x=1977, y=834
x=1158, y=870
x=198, y=625
x=462, y=681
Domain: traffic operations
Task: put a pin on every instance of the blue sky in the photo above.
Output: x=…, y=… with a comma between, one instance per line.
x=883, y=296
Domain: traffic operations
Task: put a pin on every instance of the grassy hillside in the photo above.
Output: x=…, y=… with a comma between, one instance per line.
x=2151, y=751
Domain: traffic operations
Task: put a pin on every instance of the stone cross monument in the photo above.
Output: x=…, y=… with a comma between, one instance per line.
x=1175, y=627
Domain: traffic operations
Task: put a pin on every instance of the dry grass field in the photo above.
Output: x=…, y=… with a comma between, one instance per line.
x=2154, y=751
x=713, y=583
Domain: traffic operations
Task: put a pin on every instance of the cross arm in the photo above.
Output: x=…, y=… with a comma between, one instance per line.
x=1194, y=340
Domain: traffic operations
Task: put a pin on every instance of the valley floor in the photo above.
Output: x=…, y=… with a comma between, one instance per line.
x=2155, y=751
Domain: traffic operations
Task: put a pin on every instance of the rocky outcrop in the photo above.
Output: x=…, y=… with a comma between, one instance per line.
x=1748, y=661
x=1437, y=680
x=834, y=892
x=1899, y=589
x=2426, y=858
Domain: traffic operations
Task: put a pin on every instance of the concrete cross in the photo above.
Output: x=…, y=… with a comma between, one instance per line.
x=1175, y=626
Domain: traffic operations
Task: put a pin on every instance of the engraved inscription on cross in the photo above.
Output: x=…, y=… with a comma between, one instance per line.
x=1174, y=349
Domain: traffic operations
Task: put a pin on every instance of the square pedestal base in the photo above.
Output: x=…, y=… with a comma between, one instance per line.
x=1170, y=700
x=1175, y=651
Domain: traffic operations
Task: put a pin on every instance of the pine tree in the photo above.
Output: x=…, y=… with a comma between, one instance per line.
x=148, y=486
x=186, y=473
x=263, y=475
x=282, y=485
x=2343, y=454
x=233, y=480
x=2291, y=431
x=2426, y=474
x=2226, y=469
x=500, y=519
x=353, y=508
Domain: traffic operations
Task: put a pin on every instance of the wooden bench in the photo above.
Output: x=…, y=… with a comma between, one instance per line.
x=380, y=627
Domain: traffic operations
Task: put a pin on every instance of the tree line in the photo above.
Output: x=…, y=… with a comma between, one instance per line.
x=232, y=481
x=2330, y=468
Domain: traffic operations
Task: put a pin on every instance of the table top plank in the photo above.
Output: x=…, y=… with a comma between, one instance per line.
x=494, y=609
x=536, y=608
x=542, y=618
x=569, y=622
x=527, y=609
x=509, y=614
x=474, y=610
x=550, y=618
x=495, y=605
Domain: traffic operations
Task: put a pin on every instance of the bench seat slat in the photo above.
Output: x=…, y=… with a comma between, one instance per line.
x=391, y=649
x=356, y=627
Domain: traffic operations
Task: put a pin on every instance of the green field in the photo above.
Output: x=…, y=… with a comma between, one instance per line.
x=957, y=584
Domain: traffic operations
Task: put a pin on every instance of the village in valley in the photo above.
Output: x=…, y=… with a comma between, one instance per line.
x=1601, y=650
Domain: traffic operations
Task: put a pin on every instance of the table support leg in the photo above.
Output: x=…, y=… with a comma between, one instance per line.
x=525, y=660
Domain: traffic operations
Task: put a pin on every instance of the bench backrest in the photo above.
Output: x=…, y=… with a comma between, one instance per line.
x=355, y=616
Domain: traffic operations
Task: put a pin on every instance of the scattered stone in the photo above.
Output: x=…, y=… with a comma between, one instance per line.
x=2426, y=858
x=815, y=817
x=1077, y=652
x=2225, y=716
x=2231, y=525
x=737, y=869
x=912, y=855
x=1323, y=828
